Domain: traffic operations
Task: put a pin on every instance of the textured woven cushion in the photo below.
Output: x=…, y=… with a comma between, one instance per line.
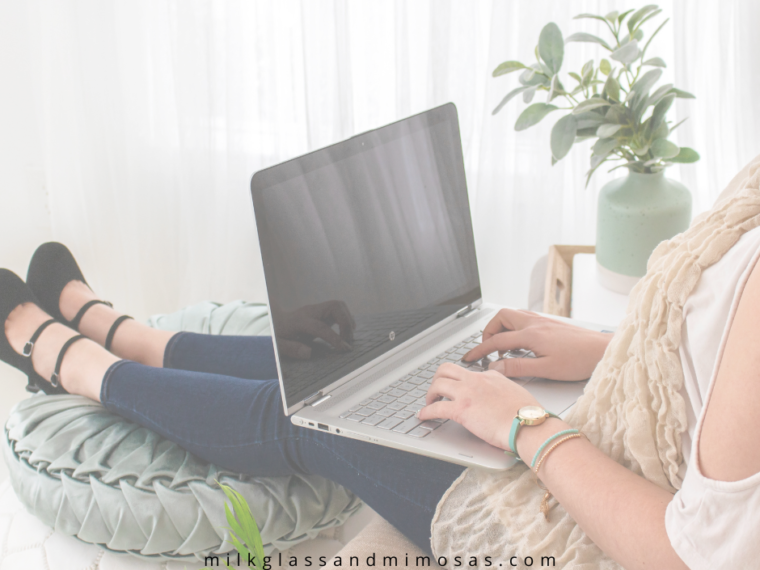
x=89, y=473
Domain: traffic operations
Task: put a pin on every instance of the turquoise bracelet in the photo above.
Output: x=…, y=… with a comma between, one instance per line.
x=548, y=441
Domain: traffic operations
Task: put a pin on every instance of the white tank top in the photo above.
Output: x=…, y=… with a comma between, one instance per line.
x=713, y=524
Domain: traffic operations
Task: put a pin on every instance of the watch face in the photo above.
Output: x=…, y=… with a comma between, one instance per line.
x=532, y=412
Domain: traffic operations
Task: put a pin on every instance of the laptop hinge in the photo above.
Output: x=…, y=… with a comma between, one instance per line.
x=465, y=311
x=313, y=398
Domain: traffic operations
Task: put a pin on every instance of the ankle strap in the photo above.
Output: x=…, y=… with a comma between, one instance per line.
x=55, y=379
x=29, y=346
x=112, y=330
x=74, y=324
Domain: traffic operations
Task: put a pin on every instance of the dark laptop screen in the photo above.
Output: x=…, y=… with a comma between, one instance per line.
x=365, y=244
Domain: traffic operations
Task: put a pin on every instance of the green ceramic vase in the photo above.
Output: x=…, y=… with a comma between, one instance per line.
x=635, y=214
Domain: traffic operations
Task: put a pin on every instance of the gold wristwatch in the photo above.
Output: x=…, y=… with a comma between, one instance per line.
x=526, y=416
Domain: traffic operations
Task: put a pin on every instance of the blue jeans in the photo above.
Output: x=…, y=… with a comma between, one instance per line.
x=218, y=397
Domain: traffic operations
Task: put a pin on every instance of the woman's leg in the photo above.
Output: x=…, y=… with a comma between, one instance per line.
x=241, y=356
x=239, y=424
x=133, y=340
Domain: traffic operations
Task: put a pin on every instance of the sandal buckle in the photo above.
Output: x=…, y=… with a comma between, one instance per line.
x=55, y=380
x=28, y=348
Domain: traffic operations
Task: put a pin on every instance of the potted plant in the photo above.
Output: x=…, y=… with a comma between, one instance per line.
x=618, y=103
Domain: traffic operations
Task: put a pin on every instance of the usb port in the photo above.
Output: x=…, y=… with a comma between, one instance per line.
x=323, y=426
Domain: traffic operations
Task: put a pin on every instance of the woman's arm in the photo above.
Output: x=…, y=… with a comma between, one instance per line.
x=624, y=514
x=728, y=446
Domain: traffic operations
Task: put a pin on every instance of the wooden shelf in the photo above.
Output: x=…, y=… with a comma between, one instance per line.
x=558, y=290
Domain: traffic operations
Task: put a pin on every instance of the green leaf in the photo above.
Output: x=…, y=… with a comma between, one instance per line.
x=575, y=76
x=551, y=48
x=604, y=146
x=639, y=14
x=685, y=155
x=563, y=136
x=590, y=104
x=590, y=38
x=587, y=132
x=590, y=16
x=617, y=114
x=678, y=124
x=649, y=41
x=640, y=150
x=638, y=36
x=612, y=88
x=507, y=67
x=659, y=111
x=649, y=17
x=589, y=119
x=659, y=93
x=605, y=67
x=626, y=54
x=682, y=94
x=533, y=115
x=661, y=132
x=528, y=94
x=611, y=17
x=607, y=130
x=644, y=83
x=533, y=76
x=622, y=16
x=509, y=96
x=663, y=148
x=656, y=62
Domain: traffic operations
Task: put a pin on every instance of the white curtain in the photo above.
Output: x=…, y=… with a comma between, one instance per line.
x=131, y=128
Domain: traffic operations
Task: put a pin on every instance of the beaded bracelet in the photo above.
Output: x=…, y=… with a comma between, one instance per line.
x=548, y=441
x=544, y=508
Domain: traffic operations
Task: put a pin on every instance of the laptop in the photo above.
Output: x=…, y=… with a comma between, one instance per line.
x=372, y=280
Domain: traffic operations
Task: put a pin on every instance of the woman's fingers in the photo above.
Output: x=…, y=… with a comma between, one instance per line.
x=340, y=314
x=317, y=328
x=500, y=342
x=442, y=388
x=519, y=367
x=293, y=349
x=440, y=409
x=507, y=320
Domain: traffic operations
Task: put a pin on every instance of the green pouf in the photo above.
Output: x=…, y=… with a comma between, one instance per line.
x=92, y=474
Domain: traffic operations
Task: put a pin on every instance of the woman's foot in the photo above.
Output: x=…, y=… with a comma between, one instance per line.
x=56, y=279
x=84, y=364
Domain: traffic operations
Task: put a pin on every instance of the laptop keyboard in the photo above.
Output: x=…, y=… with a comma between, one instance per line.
x=393, y=408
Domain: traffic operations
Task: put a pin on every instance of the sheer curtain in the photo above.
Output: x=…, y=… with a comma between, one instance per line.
x=132, y=128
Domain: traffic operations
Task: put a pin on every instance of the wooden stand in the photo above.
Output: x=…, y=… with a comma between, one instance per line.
x=558, y=291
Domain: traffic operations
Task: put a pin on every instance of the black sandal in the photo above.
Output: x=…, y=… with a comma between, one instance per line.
x=50, y=270
x=14, y=292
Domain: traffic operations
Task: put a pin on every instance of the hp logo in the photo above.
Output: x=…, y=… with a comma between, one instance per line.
x=392, y=336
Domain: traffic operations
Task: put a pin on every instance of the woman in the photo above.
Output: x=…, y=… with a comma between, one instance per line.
x=642, y=399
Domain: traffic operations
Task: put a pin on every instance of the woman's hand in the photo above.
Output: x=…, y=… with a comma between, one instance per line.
x=563, y=351
x=483, y=402
x=296, y=328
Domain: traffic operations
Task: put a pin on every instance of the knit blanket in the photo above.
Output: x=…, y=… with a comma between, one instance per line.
x=631, y=408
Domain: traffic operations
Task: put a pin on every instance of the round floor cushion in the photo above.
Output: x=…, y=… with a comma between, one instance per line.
x=86, y=472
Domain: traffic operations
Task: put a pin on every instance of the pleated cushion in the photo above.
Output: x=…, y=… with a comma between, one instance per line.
x=92, y=474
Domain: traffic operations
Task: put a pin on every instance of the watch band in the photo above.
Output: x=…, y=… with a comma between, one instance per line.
x=516, y=425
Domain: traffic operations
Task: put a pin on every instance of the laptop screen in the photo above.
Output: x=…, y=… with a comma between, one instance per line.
x=365, y=244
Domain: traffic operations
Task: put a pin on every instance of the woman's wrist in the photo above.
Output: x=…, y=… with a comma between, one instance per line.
x=530, y=438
